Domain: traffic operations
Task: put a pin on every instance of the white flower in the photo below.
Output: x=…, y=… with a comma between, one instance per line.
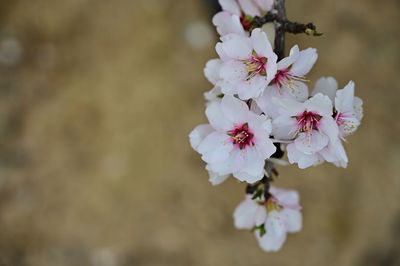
x=289, y=79
x=270, y=220
x=309, y=124
x=249, y=64
x=348, y=108
x=238, y=143
x=236, y=16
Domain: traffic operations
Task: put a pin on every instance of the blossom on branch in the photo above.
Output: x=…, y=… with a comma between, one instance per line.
x=270, y=219
x=236, y=141
x=248, y=64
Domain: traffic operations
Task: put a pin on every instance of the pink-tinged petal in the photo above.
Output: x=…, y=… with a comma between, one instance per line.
x=326, y=86
x=296, y=90
x=270, y=243
x=230, y=6
x=310, y=144
x=304, y=62
x=216, y=179
x=265, y=5
x=320, y=104
x=227, y=23
x=261, y=43
x=260, y=216
x=344, y=98
x=252, y=88
x=253, y=167
x=237, y=47
x=215, y=148
x=249, y=8
x=198, y=135
x=329, y=127
x=234, y=109
x=265, y=148
x=293, y=220
x=211, y=71
x=244, y=214
x=303, y=160
x=217, y=118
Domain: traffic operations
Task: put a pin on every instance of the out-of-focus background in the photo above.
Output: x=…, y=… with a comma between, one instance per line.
x=96, y=102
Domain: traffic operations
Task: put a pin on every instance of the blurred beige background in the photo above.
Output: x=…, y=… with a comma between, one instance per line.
x=97, y=99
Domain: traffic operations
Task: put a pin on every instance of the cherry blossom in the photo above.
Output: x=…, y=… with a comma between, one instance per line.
x=249, y=64
x=237, y=143
x=270, y=219
x=348, y=110
x=290, y=78
x=237, y=16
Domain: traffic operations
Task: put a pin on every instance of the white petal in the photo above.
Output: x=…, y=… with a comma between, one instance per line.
x=217, y=118
x=270, y=243
x=198, y=134
x=321, y=104
x=304, y=62
x=215, y=148
x=232, y=72
x=234, y=109
x=237, y=47
x=215, y=178
x=344, y=98
x=275, y=226
x=218, y=48
x=265, y=5
x=297, y=90
x=261, y=44
x=283, y=127
x=358, y=109
x=326, y=86
x=329, y=127
x=211, y=71
x=227, y=23
x=309, y=144
x=287, y=61
x=249, y=8
x=252, y=88
x=286, y=197
x=230, y=6
x=335, y=154
x=261, y=216
x=303, y=160
x=293, y=220
x=212, y=95
x=244, y=214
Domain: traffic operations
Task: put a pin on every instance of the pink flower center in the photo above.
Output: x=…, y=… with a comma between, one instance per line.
x=256, y=65
x=241, y=136
x=339, y=117
x=246, y=23
x=307, y=121
x=285, y=77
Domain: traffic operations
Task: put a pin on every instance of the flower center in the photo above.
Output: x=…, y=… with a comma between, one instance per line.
x=256, y=65
x=285, y=77
x=241, y=136
x=272, y=204
x=308, y=121
x=246, y=22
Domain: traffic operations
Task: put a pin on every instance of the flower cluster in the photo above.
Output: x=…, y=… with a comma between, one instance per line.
x=259, y=103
